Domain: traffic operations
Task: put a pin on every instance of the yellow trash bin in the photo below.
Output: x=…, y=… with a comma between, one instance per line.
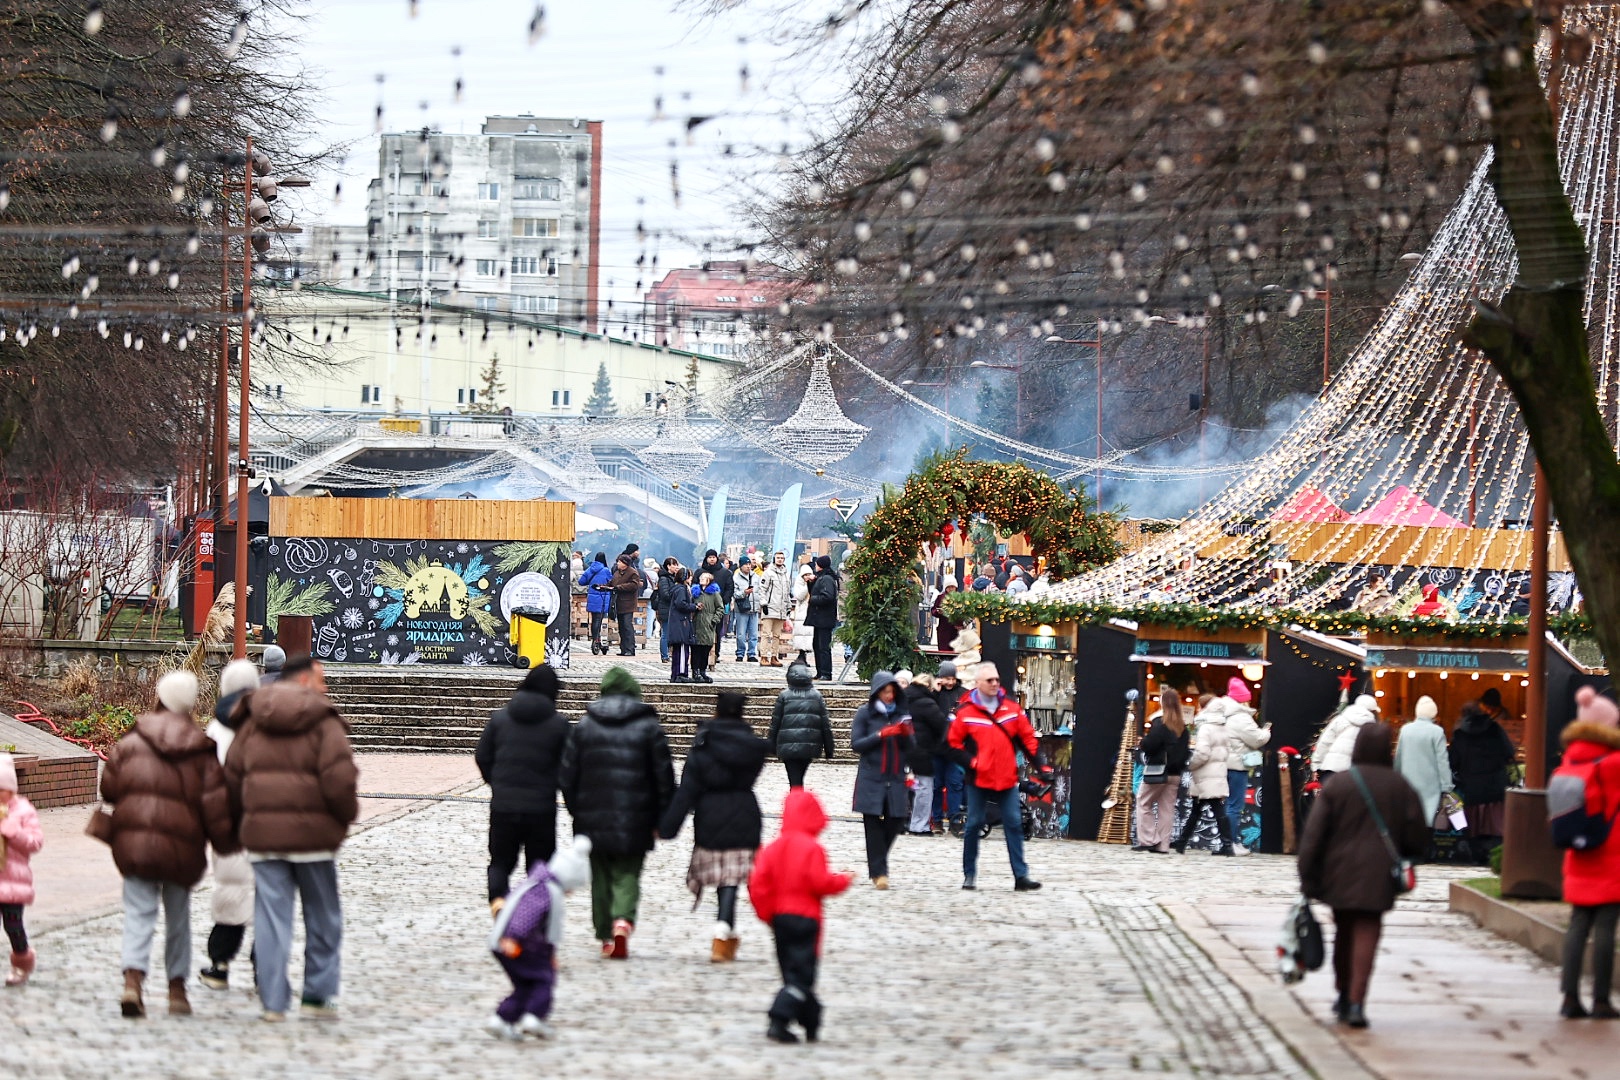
x=527, y=635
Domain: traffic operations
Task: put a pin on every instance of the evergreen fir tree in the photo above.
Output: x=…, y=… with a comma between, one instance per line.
x=600, y=403
x=692, y=376
x=488, y=402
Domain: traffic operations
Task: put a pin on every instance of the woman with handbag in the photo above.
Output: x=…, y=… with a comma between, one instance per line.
x=1364, y=831
x=1165, y=750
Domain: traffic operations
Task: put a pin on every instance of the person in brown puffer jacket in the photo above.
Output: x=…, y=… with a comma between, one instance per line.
x=293, y=780
x=168, y=799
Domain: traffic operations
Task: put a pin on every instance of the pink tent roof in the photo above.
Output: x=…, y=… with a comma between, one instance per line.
x=1309, y=504
x=1403, y=506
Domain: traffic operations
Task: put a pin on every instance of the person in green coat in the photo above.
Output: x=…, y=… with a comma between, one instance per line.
x=706, y=624
x=1420, y=757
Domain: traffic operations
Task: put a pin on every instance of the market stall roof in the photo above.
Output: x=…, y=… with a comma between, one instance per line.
x=1310, y=504
x=588, y=523
x=1403, y=506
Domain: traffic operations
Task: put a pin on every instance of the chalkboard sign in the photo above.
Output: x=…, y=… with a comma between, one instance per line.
x=417, y=601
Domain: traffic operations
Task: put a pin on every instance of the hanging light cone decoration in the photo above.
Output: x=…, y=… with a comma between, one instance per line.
x=583, y=478
x=819, y=433
x=675, y=454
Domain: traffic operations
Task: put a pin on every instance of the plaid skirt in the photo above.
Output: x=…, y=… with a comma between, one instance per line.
x=716, y=868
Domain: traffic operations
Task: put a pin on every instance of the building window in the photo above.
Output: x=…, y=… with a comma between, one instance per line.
x=489, y=193
x=466, y=395
x=647, y=398
x=556, y=398
x=542, y=305
x=278, y=391
x=488, y=229
x=534, y=226
x=528, y=265
x=486, y=303
x=725, y=299
x=487, y=267
x=369, y=395
x=528, y=187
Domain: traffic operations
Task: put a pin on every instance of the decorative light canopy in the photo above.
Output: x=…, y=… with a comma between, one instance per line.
x=583, y=478
x=819, y=433
x=676, y=454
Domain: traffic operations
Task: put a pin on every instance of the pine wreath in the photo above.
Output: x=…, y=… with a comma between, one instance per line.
x=881, y=598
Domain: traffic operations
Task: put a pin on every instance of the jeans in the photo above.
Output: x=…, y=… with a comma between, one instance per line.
x=278, y=884
x=533, y=834
x=746, y=627
x=881, y=829
x=663, y=639
x=795, y=771
x=1237, y=786
x=948, y=787
x=797, y=940
x=1012, y=827
x=922, y=805
x=821, y=645
x=1155, y=830
x=615, y=891
x=141, y=898
x=1583, y=920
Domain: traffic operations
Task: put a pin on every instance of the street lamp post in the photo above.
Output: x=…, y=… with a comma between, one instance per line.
x=256, y=229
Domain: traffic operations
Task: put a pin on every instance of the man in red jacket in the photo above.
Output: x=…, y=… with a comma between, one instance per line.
x=987, y=733
x=790, y=878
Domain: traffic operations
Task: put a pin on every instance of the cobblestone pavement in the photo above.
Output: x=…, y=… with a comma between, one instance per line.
x=1090, y=974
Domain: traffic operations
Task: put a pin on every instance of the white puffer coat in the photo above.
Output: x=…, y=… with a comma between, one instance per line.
x=1246, y=734
x=804, y=635
x=1212, y=749
x=1332, y=753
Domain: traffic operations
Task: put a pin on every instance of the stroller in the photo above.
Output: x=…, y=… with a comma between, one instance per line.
x=1035, y=783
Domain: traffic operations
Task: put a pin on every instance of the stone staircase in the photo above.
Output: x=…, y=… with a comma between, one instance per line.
x=438, y=711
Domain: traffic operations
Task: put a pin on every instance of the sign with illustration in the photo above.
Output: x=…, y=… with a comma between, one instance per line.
x=417, y=601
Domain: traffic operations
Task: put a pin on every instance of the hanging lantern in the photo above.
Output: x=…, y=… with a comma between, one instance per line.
x=819, y=433
x=675, y=454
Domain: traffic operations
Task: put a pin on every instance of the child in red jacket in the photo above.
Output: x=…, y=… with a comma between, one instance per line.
x=1592, y=878
x=790, y=877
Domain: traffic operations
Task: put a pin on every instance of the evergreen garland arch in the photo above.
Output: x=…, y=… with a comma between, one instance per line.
x=881, y=593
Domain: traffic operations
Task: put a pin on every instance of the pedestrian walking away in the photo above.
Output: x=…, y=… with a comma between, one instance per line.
x=528, y=929
x=169, y=802
x=881, y=734
x=1481, y=754
x=929, y=728
x=789, y=882
x=21, y=838
x=617, y=780
x=951, y=806
x=1246, y=738
x=1592, y=874
x=800, y=730
x=822, y=615
x=681, y=631
x=626, y=584
x=774, y=591
x=1165, y=751
x=1337, y=742
x=717, y=790
x=231, y=903
x=292, y=779
x=989, y=730
x=274, y=659
x=1346, y=859
x=1212, y=749
x=519, y=755
x=596, y=581
x=1421, y=758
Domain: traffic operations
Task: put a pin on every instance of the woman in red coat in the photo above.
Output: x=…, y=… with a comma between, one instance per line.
x=1592, y=877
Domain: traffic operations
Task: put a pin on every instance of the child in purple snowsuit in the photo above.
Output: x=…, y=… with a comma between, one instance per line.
x=527, y=931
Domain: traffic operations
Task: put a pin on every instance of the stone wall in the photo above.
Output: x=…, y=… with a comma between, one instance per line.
x=50, y=658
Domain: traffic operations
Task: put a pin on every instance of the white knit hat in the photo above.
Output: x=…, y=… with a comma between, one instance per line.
x=8, y=773
x=177, y=691
x=1426, y=708
x=571, y=866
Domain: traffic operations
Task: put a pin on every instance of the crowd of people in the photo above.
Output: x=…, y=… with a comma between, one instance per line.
x=769, y=610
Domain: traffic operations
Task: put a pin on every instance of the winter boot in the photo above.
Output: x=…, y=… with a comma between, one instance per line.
x=1355, y=1015
x=179, y=1004
x=1025, y=884
x=130, y=1003
x=723, y=949
x=1601, y=1010
x=216, y=976
x=1572, y=1009
x=778, y=1032
x=22, y=966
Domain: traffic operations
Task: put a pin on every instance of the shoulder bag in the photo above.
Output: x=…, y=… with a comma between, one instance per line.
x=1400, y=869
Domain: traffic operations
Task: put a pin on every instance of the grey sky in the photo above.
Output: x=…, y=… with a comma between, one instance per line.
x=598, y=60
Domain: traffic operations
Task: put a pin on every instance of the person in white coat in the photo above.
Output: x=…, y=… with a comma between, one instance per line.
x=232, y=901
x=1338, y=739
x=774, y=592
x=1247, y=737
x=1212, y=749
x=1420, y=757
x=804, y=635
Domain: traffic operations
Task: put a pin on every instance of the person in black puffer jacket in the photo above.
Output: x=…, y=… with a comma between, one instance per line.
x=800, y=729
x=617, y=780
x=662, y=592
x=1167, y=743
x=928, y=739
x=717, y=788
x=518, y=756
